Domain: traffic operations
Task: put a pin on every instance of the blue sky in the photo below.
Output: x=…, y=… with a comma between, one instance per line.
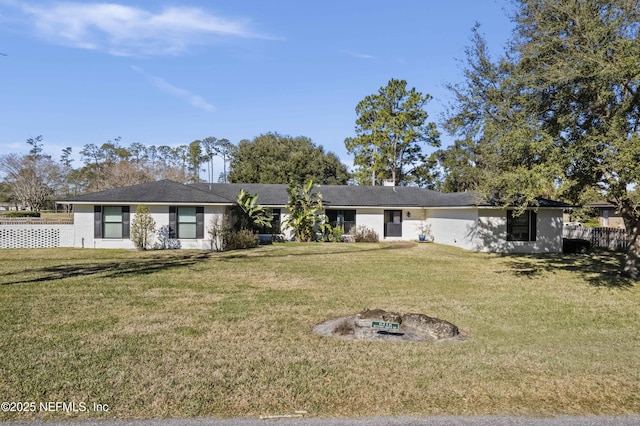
x=167, y=73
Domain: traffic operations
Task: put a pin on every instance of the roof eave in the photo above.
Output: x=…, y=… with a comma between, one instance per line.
x=148, y=203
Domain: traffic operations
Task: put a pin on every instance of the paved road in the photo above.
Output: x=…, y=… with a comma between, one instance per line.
x=372, y=421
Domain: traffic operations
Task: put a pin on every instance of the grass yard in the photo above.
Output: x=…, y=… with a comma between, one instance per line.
x=190, y=333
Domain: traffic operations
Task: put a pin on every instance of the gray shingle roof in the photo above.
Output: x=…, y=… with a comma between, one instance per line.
x=268, y=194
x=345, y=195
x=362, y=196
x=544, y=202
x=164, y=191
x=601, y=204
x=391, y=196
x=167, y=191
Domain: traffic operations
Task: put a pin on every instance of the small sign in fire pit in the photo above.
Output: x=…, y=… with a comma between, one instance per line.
x=384, y=325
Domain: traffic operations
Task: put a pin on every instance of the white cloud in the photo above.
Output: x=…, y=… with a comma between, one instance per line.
x=359, y=55
x=161, y=84
x=131, y=31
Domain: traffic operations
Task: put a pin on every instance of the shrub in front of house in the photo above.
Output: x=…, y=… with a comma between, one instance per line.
x=142, y=227
x=22, y=213
x=336, y=234
x=362, y=234
x=165, y=241
x=242, y=239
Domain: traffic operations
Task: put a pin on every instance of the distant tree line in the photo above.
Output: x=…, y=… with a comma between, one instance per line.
x=33, y=180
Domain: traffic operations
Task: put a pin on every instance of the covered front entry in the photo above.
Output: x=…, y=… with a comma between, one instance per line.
x=392, y=223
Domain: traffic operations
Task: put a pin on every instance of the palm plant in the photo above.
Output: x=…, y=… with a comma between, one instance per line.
x=249, y=214
x=306, y=215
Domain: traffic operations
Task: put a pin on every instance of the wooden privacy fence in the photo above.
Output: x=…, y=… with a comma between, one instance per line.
x=609, y=238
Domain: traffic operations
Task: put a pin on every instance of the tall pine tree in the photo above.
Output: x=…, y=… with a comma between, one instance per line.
x=391, y=129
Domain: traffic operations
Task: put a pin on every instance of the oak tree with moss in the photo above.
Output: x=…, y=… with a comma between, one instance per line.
x=559, y=111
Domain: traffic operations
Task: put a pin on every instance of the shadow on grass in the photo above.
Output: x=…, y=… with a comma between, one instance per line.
x=599, y=268
x=340, y=249
x=112, y=269
x=147, y=266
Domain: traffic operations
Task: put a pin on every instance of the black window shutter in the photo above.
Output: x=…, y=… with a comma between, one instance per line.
x=97, y=221
x=533, y=222
x=200, y=222
x=125, y=222
x=173, y=221
x=509, y=225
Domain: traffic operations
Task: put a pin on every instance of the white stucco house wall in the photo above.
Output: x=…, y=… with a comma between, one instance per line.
x=102, y=219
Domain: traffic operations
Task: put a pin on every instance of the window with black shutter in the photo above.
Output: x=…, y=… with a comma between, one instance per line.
x=186, y=222
x=521, y=227
x=111, y=222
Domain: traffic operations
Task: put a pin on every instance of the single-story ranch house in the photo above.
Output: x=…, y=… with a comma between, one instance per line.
x=608, y=216
x=102, y=219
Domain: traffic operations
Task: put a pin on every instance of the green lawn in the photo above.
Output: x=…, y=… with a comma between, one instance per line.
x=191, y=333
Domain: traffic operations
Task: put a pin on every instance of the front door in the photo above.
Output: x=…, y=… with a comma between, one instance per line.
x=392, y=223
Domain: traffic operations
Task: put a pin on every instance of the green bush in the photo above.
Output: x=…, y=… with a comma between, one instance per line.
x=142, y=227
x=242, y=239
x=362, y=234
x=336, y=234
x=22, y=213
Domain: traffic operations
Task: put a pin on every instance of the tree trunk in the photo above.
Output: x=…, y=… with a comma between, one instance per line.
x=224, y=166
x=395, y=161
x=631, y=267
